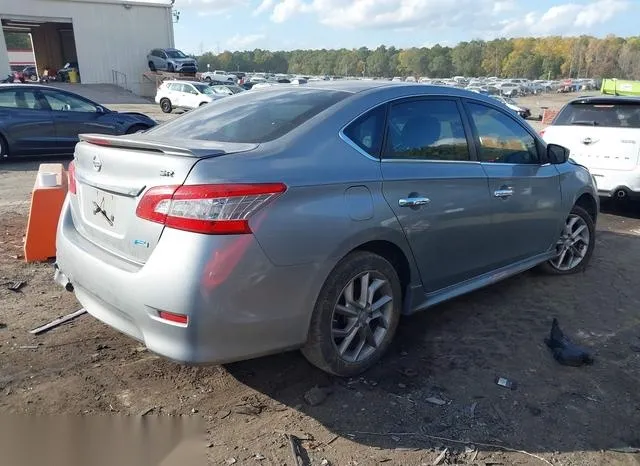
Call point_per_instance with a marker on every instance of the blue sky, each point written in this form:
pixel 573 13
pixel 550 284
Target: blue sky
pixel 218 25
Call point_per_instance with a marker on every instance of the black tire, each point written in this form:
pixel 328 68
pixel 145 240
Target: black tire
pixel 549 268
pixel 135 128
pixel 152 67
pixel 203 103
pixel 320 348
pixel 208 79
pixel 4 149
pixel 165 105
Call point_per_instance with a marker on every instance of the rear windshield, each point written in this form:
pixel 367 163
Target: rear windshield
pixel 622 115
pixel 251 117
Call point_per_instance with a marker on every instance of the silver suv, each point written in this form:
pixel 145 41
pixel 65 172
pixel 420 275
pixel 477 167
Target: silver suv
pixel 313 217
pixel 172 60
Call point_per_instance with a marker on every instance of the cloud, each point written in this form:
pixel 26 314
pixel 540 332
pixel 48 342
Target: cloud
pixel 566 19
pixel 481 17
pixel 209 7
pixel 244 42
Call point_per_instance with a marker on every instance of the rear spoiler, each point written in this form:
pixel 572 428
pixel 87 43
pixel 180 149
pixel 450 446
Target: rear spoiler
pixel 120 142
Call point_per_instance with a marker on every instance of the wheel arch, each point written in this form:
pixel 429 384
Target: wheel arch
pixel 589 203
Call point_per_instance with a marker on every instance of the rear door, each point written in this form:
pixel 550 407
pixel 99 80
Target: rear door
pixel 600 136
pixel 438 193
pixel 525 190
pixel 73 115
pixel 191 97
pixel 27 122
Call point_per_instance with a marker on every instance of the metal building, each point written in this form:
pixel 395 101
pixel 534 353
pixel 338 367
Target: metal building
pixel 108 39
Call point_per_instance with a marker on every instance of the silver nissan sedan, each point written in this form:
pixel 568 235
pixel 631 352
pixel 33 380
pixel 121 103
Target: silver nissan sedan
pixel 313 217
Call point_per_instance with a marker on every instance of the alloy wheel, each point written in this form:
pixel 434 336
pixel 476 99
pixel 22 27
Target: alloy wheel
pixel 572 245
pixel 361 316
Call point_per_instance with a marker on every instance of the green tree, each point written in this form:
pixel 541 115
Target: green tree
pixel 466 58
pixel 18 40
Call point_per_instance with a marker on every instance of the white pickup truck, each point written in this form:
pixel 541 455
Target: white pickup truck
pixel 219 75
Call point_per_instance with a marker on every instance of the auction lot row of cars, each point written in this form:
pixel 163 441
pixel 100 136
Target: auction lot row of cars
pixel 310 216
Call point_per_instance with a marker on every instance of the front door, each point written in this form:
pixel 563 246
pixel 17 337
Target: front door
pixel 27 122
pixel 438 193
pixel 73 115
pixel 525 190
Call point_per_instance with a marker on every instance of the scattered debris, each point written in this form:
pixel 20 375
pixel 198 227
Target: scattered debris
pixel 147 411
pixel 16 286
pixel 209 445
pixel 332 439
pixel 316 395
pixel 3 325
pixel 474 456
pixel 395 438
pixel 194 410
pixel 247 409
pixel 325 462
pixel 506 383
pixel 28 347
pixel 259 457
pixel 102 347
pixel 408 372
pixel 300 457
pixel 472 409
pixel 56 322
pixel 501 415
pixel 630 450
pixel 469 449
pixel 224 414
pixel 441 457
pixel 564 351
pixel 401 385
pixel 434 400
pixel 231 461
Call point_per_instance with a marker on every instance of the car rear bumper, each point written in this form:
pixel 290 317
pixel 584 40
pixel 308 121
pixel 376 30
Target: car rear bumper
pixel 617 183
pixel 239 304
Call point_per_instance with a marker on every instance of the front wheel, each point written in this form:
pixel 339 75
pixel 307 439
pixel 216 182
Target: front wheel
pixel 165 105
pixel 355 316
pixel 575 246
pixel 4 149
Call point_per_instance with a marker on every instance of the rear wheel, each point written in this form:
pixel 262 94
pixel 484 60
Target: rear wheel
pixel 165 105
pixel 208 79
pixel 355 316
pixel 4 149
pixel 575 246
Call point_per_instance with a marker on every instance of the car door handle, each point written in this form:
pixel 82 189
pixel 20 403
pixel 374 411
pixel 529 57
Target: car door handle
pixel 503 192
pixel 414 201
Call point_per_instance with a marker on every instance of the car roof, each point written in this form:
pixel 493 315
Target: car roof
pixel 182 81
pixel 605 100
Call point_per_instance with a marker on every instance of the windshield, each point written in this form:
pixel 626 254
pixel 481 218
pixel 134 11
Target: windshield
pixel 615 115
pixel 204 89
pixel 176 54
pixel 251 117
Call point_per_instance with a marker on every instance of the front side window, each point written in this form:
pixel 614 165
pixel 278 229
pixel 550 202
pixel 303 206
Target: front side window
pixel 426 130
pixel 367 131
pixel 500 138
pixel 59 101
pixel 176 54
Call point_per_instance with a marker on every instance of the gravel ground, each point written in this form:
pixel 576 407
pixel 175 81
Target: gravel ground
pixel 435 389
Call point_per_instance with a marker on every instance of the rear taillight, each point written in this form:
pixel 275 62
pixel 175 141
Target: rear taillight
pixel 71 174
pixel 223 209
pixel 173 317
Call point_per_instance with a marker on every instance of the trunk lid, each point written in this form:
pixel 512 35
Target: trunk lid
pixel 112 174
pixel 598 148
pixel 601 133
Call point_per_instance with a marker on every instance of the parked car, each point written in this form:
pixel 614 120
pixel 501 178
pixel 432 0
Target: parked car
pixel 524 112
pixel 603 134
pixel 171 60
pixel 508 89
pixel 218 75
pixel 30 73
pixel 262 223
pixel 184 94
pixel 42 120
pixel 227 89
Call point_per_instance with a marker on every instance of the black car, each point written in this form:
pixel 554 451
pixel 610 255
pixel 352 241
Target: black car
pixel 43 120
pixel 30 73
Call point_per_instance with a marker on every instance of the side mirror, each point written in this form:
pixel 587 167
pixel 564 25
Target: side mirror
pixel 100 109
pixel 557 154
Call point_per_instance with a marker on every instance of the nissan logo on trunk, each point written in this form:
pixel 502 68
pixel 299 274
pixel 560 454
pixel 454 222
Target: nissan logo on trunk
pixel 97 163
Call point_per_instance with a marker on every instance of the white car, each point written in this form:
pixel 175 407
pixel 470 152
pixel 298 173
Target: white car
pixel 184 94
pixel 218 75
pixel 603 135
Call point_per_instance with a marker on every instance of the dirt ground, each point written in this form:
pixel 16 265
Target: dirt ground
pixel 454 352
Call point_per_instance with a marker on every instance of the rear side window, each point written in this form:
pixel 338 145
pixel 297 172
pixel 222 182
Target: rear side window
pixel 251 117
pixel 366 131
pixel 622 115
pixel 426 130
